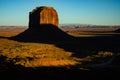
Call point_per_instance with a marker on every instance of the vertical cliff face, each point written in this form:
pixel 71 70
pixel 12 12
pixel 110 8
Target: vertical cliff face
pixel 42 16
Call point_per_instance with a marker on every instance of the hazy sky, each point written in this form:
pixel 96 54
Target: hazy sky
pixel 96 12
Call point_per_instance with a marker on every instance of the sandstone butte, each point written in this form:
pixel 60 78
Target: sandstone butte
pixel 43 27
pixel 43 15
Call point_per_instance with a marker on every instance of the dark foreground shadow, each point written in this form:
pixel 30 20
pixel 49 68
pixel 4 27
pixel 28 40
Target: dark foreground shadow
pixel 80 46
pixel 18 72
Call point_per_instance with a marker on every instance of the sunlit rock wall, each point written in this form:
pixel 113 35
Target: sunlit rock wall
pixel 43 15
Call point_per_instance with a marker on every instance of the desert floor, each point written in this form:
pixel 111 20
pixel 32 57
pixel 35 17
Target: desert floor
pixel 91 56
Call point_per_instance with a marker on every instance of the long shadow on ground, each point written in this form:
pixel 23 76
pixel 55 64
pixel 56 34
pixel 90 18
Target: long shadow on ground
pixel 80 46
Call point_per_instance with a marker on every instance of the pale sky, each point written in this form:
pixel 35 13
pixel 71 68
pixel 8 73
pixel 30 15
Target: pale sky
pixel 96 12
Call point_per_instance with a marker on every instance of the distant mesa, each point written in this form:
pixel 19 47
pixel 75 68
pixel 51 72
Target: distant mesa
pixel 43 26
pixel 43 15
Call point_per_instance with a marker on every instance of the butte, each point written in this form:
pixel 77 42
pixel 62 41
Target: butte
pixel 43 27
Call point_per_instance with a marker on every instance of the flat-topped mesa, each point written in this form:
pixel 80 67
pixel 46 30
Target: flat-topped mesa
pixel 43 15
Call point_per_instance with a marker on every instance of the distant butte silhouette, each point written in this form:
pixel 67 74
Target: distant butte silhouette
pixel 43 27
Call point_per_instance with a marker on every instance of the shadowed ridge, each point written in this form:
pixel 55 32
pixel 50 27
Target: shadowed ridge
pixel 44 33
pixel 118 30
pixel 4 37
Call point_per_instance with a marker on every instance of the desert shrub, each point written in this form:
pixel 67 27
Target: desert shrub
pixel 105 53
pixel 35 54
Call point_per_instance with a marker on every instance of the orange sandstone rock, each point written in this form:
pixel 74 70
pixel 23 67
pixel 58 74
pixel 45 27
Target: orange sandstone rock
pixel 42 16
